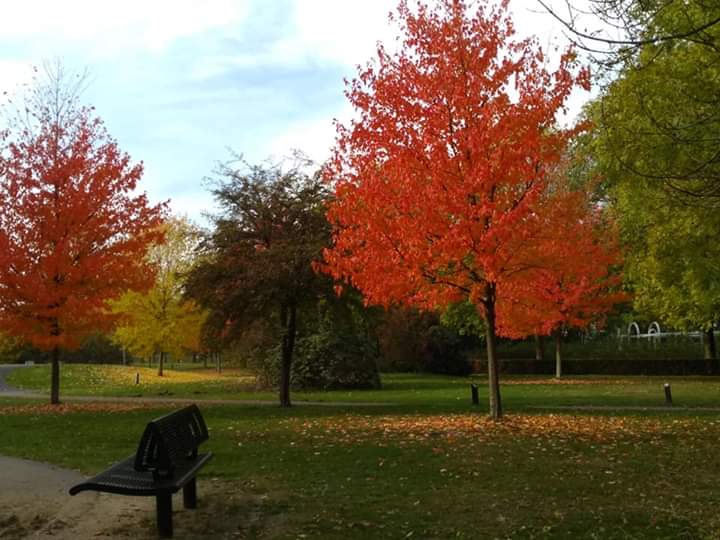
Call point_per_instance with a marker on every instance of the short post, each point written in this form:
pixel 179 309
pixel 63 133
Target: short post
pixel 474 394
pixel 668 395
pixel 137 377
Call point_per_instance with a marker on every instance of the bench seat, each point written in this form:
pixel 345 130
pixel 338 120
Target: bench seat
pixel 122 478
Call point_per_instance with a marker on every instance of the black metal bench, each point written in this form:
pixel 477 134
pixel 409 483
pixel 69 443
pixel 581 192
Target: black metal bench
pixel 166 460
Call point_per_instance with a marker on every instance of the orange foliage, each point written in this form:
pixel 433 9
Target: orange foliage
pixel 439 181
pixel 573 280
pixel 72 231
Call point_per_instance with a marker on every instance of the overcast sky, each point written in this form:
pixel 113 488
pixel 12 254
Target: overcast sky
pixel 178 82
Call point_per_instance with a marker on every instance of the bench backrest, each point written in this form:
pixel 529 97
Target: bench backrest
pixel 171 439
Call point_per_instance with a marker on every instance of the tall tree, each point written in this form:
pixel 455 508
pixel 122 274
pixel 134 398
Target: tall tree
pixel 257 263
pixel 439 180
pixel 162 321
pixel 658 123
pixel 73 230
pixel 672 264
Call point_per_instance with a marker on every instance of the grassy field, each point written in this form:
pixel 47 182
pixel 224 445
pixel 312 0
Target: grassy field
pixel 446 393
pixel 430 466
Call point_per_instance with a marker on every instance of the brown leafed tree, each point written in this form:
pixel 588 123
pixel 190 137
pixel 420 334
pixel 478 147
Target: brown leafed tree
pixel 257 263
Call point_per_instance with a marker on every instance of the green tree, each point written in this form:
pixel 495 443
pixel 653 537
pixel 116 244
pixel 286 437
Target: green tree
pixel 660 121
pixel 257 262
pixel 162 321
pixel 655 142
pixel 672 266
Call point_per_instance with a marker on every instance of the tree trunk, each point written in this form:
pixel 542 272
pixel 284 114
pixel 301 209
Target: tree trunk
pixel 710 351
pixel 161 363
pixel 55 377
pixel 205 357
pixel 492 361
pixel 539 347
pixel 289 316
pixel 218 362
pixel 558 354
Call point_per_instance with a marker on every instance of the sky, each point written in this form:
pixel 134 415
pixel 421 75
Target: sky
pixel 182 84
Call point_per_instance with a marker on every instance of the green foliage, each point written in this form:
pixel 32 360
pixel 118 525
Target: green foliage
pixel 328 361
pixel 445 352
pixel 258 258
pixel 672 264
pixel 464 318
pixel 655 144
pixel 9 349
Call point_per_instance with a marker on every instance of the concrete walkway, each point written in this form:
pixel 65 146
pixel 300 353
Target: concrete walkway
pixel 8 391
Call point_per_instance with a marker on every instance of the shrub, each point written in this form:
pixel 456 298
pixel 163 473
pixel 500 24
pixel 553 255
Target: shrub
pixel 325 361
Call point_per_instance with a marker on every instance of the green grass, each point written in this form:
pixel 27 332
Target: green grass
pixel 360 473
pixel 421 391
pixel 430 466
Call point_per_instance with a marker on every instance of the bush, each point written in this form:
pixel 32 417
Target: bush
pixel 329 362
pixel 325 362
pixel 445 352
pixel 416 341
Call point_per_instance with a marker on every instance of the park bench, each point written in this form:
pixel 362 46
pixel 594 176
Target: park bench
pixel 166 460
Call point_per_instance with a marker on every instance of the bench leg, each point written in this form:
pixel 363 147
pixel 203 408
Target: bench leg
pixel 190 494
pixel 163 508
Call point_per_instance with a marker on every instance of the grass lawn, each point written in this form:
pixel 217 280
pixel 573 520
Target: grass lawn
pixel 431 466
pixel 446 393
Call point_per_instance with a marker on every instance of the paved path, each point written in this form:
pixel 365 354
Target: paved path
pixel 8 391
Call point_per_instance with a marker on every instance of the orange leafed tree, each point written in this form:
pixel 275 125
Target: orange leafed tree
pixel 73 232
pixel 439 180
pixel 575 280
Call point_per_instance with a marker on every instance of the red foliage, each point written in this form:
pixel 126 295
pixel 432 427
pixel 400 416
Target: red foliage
pixel 72 231
pixel 442 182
pixel 439 180
pixel 575 280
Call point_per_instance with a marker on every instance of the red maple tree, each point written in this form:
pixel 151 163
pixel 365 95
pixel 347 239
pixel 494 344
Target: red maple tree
pixel 575 281
pixel 73 232
pixel 440 179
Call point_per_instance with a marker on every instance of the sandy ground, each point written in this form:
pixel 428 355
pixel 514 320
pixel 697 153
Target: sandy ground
pixel 34 503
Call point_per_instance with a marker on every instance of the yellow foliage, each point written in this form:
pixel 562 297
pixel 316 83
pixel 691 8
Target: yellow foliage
pixel 161 320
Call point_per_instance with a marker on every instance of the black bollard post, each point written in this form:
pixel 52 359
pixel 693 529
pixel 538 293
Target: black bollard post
pixel 668 395
pixel 474 394
pixel 137 378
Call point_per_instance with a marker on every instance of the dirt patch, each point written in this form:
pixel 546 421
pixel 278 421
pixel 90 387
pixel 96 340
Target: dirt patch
pixel 224 512
pixel 34 503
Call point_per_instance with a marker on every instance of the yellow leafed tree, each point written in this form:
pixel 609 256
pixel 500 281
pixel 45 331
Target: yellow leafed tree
pixel 161 321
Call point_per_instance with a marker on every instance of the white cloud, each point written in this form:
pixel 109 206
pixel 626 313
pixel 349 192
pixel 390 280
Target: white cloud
pixel 313 137
pixel 116 27
pixel 13 73
pixel 344 32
